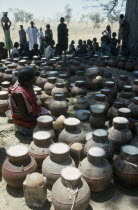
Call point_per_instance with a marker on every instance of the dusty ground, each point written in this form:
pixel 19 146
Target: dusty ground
pixel 114 198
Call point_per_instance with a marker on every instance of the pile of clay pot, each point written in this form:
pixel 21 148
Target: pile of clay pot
pixel 72 163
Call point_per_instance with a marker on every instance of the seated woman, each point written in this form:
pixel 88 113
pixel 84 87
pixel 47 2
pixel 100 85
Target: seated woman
pixel 72 47
pixel 3 51
pixel 35 51
pixel 15 50
pixel 23 102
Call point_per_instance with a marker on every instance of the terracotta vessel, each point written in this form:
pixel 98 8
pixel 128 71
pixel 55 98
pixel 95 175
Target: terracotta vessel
pixel 100 138
pixel 122 63
pixel 17 165
pixel 2 71
pixel 106 77
pixel 58 105
pixel 92 83
pixel 126 95
pixel 135 87
pixel 81 102
pixel 39 148
pixel 79 89
pixel 134 141
pixel 80 75
pixel 70 191
pixel 59 88
pixel 112 61
pixel 50 84
pixel 5 85
pixel 119 134
pixel 71 132
pixel 4 103
pixel 15 77
pixel 112 87
pixel 125 166
pixel 96 170
pixel 129 65
pixel 5 19
pixel 77 152
pixel 8 75
pixel 45 123
pixel 108 96
pixel 97 117
pixel 121 82
pixel 58 159
pixel 134 108
pixel 41 81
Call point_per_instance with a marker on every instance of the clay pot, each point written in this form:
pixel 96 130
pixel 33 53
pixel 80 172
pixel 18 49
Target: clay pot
pixel 134 108
pixel 120 134
pixel 81 102
pixel 58 106
pixel 121 82
pixel 5 19
pixel 8 75
pixel 112 62
pixel 134 141
pixel 111 86
pixel 108 96
pixel 96 170
pixel 129 65
pixel 122 63
pixel 80 76
pixel 79 89
pixel 83 114
pixel 41 81
pixel 2 71
pixel 107 77
pixel 35 180
pixel 100 138
pixel 135 87
pixel 58 159
pixel 97 117
pixel 39 148
pixel 4 103
pixel 66 188
pixel 59 123
pixel 15 77
pixel 100 99
pixel 17 165
pixel 72 133
pixel 50 84
pixel 45 123
pixel 92 83
pixel 5 86
pixel 59 88
pixel 126 95
pixel 77 152
pixel 125 166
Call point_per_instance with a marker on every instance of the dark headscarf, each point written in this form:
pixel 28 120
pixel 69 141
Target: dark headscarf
pixel 25 75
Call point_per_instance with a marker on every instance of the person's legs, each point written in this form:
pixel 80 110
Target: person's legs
pixel 25 131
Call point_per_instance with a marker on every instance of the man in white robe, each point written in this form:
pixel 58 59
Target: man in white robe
pixel 32 35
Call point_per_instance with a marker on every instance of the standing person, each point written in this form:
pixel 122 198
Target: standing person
pixel 113 44
pixel 123 29
pixel 32 35
pixel 95 45
pixel 22 36
pixel 107 32
pixel 40 35
pixel 48 34
pixel 3 51
pixel 62 36
pixel 8 41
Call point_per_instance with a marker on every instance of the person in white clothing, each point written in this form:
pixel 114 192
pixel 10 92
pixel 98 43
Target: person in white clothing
pixel 40 35
pixel 32 35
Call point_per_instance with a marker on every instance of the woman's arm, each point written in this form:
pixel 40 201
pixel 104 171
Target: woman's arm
pixel 104 32
pixel 22 108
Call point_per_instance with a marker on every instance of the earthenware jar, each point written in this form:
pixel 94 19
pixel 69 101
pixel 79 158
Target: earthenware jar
pixel 100 138
pixel 92 83
pixel 72 132
pixel 39 148
pixel 112 61
pixel 58 105
pixel 58 159
pixel 97 117
pixel 77 152
pixel 50 84
pixel 129 65
pixel 107 77
pixel 135 87
pixel 125 166
pixel 17 165
pixel 41 81
pixel 96 170
pixel 2 71
pixel 134 108
pixel 4 103
pixel 112 87
pixel 108 96
pixel 81 102
pixel 15 77
pixel 122 63
pixel 79 89
pixel 8 75
pixel 121 82
pixel 5 19
pixel 80 75
pixel 134 141
pixel 59 88
pixel 126 95
pixel 119 134
pixel 45 123
pixel 5 85
pixel 70 191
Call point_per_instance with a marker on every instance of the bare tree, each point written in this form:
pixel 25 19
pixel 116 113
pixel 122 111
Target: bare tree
pixel 95 18
pixel 21 15
pixel 68 13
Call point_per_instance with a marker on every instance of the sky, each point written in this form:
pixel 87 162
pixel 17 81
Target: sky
pixel 48 8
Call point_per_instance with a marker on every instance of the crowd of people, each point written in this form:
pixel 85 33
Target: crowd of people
pixel 110 45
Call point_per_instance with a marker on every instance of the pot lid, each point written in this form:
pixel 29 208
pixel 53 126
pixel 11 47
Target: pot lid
pixel 72 121
pixel 59 148
pixel 17 151
pixel 70 174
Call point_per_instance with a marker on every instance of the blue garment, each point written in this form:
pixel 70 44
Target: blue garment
pixel 27 131
pixel 105 49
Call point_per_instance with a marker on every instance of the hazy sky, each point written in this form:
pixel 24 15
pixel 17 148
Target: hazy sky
pixel 46 8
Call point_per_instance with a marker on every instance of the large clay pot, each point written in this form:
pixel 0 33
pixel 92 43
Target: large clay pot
pixel 58 159
pixel 79 89
pixel 108 96
pixel 97 117
pixel 92 83
pixel 39 148
pixel 59 88
pixel 122 63
pixel 81 102
pixel 41 81
pixel 45 123
pixel 4 103
pixel 100 138
pixel 107 77
pixel 2 71
pixel 121 82
pixel 17 165
pixel 129 65
pixel 50 84
pixel 80 75
pixel 8 75
pixel 5 85
pixel 125 166
pixel 120 134
pixel 134 108
pixel 112 62
pixel 72 133
pixel 112 87
pixel 68 188
pixel 96 170
pixel 5 19
pixel 59 105
pixel 135 87
pixel 126 95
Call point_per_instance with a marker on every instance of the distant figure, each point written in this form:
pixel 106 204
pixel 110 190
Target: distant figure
pixel 32 35
pixel 89 48
pixel 24 51
pixel 95 46
pixel 22 36
pixel 15 50
pixel 123 29
pixel 50 50
pixel 113 44
pixel 62 36
pixel 72 47
pixel 107 32
pixel 40 35
pixel 8 41
pixel 35 51
pixel 80 49
pixel 3 51
pixel 105 46
pixel 48 34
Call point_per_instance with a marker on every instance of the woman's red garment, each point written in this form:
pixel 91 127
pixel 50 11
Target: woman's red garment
pixel 31 105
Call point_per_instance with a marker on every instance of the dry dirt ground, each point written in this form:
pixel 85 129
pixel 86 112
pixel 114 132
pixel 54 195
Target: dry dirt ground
pixel 114 198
